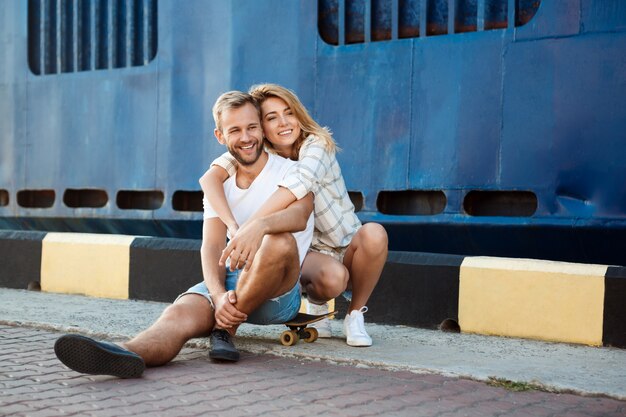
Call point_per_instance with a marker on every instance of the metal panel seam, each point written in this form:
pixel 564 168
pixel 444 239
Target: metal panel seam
pixel 505 49
pixel 408 170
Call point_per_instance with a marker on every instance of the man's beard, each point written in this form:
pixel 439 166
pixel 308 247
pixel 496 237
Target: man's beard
pixel 250 160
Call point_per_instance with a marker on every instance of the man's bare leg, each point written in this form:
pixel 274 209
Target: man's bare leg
pixel 274 272
pixel 190 316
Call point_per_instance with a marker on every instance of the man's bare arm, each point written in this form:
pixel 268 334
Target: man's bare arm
pixel 213 242
pixel 243 247
pixel 212 183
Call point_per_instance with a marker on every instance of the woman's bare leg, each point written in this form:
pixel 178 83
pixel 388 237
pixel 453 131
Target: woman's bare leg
pixel 365 258
pixel 323 277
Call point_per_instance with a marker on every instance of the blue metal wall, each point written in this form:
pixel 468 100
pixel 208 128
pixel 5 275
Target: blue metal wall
pixel 538 106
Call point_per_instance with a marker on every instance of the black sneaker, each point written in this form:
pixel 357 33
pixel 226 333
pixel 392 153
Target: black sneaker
pixel 222 347
pixel 89 356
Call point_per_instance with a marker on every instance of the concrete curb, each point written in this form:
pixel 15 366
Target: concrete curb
pixel 545 300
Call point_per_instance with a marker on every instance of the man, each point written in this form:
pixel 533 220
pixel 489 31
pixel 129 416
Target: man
pixel 266 292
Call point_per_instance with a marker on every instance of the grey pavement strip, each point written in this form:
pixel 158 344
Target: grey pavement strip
pixel 554 366
pixel 34 383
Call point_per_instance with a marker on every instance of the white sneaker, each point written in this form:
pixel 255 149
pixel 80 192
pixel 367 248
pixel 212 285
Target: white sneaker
pixel 354 328
pixel 322 326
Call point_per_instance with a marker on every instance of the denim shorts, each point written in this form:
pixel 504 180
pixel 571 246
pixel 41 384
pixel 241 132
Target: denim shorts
pixel 274 311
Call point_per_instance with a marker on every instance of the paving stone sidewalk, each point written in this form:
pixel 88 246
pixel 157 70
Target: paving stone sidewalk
pixel 34 383
pixel 554 366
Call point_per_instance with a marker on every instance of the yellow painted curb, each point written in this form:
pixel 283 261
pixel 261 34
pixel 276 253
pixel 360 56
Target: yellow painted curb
pixel 88 264
pixel 533 299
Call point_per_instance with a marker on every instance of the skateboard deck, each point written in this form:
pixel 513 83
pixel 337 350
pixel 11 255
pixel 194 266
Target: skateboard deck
pixel 298 328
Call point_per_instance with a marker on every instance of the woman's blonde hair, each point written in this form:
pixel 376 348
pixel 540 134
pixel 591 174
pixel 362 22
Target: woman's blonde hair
pixel 308 126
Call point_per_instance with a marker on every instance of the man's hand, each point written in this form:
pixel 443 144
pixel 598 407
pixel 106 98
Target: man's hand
pixel 226 314
pixel 243 247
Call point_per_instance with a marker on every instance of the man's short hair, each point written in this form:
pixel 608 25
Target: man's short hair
pixel 232 100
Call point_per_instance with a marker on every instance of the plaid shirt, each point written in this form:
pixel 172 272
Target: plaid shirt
pixel 318 172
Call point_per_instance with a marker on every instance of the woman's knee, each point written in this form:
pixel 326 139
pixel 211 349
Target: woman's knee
pixel 373 238
pixel 332 279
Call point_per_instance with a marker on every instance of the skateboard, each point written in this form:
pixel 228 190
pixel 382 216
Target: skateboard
pixel 298 328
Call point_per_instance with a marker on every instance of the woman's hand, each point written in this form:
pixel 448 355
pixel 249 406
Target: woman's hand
pixel 232 228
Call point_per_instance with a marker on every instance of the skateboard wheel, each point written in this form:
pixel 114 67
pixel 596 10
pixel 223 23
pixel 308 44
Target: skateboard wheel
pixel 289 338
pixel 310 334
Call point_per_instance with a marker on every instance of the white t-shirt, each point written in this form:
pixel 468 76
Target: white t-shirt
pixel 245 202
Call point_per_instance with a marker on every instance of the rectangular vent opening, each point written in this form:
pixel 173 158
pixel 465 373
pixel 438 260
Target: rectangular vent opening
pixel 411 202
pixel 77 198
pixel 500 203
pixel 357 200
pixel 344 22
pixel 436 17
pixel 355 21
pixel 79 35
pixel 381 20
pixel 139 200
pixel 466 17
pixel 4 198
pixel 496 15
pixel 36 198
pixel 409 19
pixel 187 201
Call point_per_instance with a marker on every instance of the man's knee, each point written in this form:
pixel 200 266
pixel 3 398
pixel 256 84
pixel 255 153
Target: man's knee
pixel 279 246
pixel 176 313
pixel 190 311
